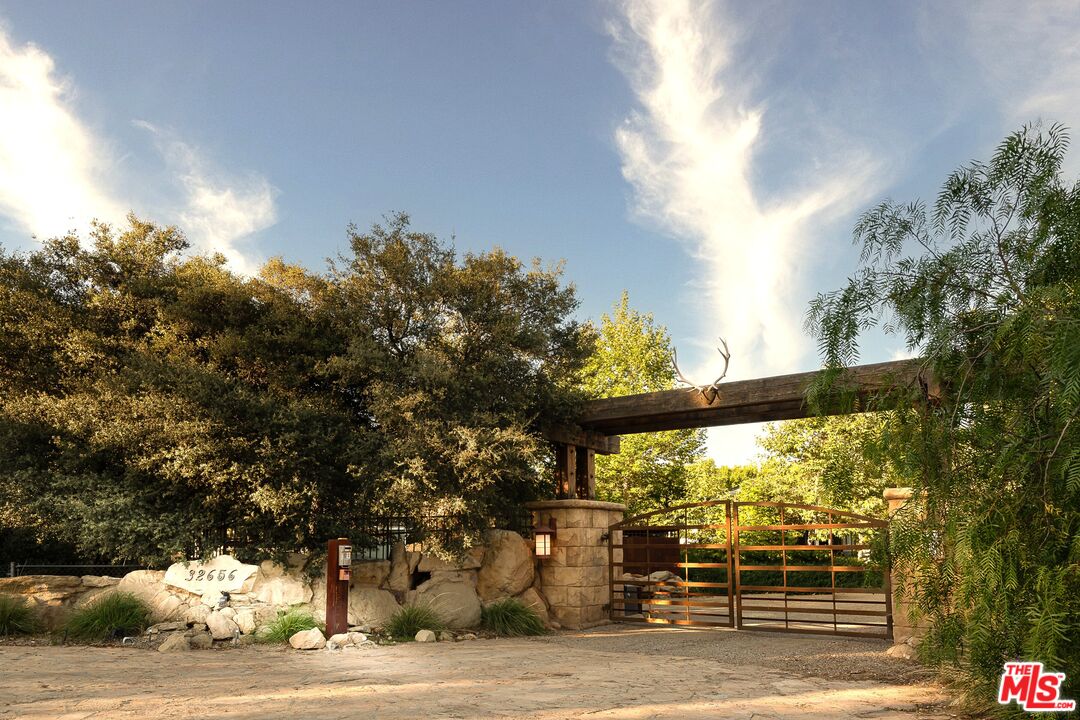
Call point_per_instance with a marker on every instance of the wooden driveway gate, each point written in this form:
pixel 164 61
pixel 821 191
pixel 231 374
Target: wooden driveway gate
pixel 767 566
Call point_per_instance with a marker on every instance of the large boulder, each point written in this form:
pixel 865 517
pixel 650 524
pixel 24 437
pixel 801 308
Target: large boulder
pixel 283 589
pixel 471 560
pixel 371 606
pixel 508 567
pixel 370 572
pixel 533 600
pixel 402 565
pixel 453 596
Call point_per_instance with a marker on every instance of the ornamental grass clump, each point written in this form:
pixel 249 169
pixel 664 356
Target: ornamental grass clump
pixel 286 624
pixel 511 618
pixel 111 616
pixel 16 617
pixel 411 619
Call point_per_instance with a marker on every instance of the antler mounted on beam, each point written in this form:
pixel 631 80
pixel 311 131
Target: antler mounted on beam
pixel 709 391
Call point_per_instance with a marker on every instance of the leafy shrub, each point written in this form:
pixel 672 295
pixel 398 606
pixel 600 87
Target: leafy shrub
pixel 410 619
pixel 16 616
pixel 512 618
pixel 286 624
pixel 110 616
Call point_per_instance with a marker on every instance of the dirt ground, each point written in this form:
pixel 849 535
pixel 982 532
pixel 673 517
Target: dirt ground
pixel 610 672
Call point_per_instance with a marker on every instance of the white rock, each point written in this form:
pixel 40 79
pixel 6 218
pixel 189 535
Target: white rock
pixel 196 613
pixel 337 641
pixel 99 581
pixel 176 642
pixel 356 638
pixel 221 627
pixel 312 639
pixel 245 620
pixel 445 636
pixel 209 578
pixel 425 636
pixel 508 567
pixel 228 612
pixel 371 606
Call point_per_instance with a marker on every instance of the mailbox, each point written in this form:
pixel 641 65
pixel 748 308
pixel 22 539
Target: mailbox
pixel 344 561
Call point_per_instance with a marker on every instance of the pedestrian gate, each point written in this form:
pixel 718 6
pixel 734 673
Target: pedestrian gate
pixel 764 566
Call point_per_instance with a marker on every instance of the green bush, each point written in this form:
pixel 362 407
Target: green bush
pixel 286 624
pixel 512 618
pixel 410 619
pixel 16 616
pixel 110 616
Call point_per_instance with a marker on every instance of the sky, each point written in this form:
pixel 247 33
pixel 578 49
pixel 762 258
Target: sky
pixel 709 158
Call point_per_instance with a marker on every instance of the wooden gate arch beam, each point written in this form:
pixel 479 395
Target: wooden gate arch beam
pixel 781 397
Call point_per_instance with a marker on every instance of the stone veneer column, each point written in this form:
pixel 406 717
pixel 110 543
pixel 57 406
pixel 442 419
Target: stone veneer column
pixel 575 578
pixel 902 627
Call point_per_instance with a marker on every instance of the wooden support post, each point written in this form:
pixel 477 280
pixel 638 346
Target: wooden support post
pixel 338 576
pixel 566 470
pixel 586 473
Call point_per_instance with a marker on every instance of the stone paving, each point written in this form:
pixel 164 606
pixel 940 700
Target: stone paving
pixel 607 673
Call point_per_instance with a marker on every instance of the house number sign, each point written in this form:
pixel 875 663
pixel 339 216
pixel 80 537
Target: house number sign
pixel 210 578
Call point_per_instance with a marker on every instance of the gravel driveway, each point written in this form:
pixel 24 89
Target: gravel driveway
pixel 609 672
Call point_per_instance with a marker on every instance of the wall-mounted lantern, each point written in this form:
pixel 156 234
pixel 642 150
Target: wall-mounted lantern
pixel 544 538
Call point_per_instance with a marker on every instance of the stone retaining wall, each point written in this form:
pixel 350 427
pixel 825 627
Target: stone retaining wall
pixel 503 568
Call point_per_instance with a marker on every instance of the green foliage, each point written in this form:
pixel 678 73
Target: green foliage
pixel 511 618
pixel 833 462
pixel 16 616
pixel 411 619
pixel 113 615
pixel 986 287
pixel 285 625
pixel 632 355
pixel 149 398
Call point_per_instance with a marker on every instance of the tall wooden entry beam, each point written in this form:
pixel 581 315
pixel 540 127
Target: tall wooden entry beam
pixel 782 397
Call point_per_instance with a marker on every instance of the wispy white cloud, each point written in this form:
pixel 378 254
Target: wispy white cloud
pixel 217 211
pixel 688 151
pixel 52 169
pixel 57 174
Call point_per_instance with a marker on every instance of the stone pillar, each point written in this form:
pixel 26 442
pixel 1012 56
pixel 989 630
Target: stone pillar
pixel 575 579
pixel 903 630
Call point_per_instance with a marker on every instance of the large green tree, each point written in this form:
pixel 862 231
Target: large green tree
pixel 833 461
pixel 152 402
pixel 633 355
pixel 986 286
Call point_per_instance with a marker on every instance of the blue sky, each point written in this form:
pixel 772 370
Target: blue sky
pixel 710 158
